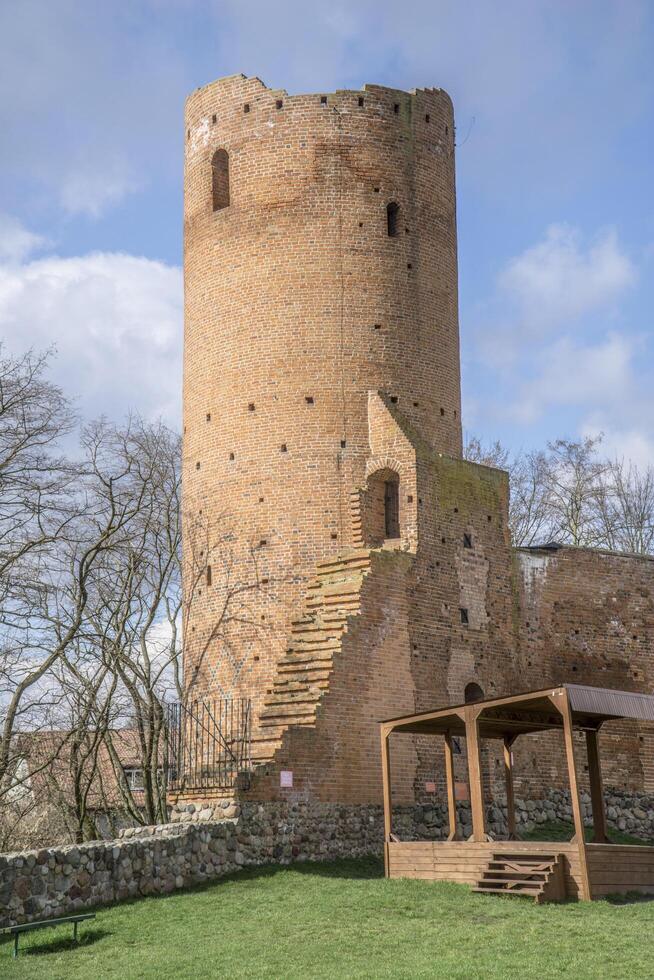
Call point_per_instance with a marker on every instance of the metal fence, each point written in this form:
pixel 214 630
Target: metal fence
pixel 208 743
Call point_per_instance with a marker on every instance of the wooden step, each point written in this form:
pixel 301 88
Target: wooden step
pixel 529 892
pixel 512 881
pixel 503 865
pixel 540 876
pixel 514 876
pixel 529 857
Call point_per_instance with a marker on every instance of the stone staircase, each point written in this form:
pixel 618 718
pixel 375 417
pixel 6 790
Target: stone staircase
pixel 302 674
pixel 538 875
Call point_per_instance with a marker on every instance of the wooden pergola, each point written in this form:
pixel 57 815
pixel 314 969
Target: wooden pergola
pixel 566 708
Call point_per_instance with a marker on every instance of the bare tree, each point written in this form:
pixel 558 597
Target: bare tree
pixel 61 528
pixel 36 514
pixel 136 621
pixel 575 477
pixel 626 508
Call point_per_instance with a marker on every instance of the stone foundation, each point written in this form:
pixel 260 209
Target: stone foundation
pixel 631 813
pixel 209 841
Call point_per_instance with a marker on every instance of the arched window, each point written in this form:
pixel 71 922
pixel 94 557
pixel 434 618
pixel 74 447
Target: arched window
pixel 472 693
pixel 392 218
pixel 220 180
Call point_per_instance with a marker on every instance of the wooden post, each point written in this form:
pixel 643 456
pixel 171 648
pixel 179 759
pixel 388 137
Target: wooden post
pixel 508 777
pixel 474 774
pixel 386 790
pixel 449 776
pixel 562 704
pixel 596 787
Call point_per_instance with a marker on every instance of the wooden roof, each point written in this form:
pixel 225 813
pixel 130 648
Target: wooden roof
pixel 531 711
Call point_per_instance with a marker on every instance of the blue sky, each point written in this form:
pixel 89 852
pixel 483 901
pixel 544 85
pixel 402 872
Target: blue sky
pixel 555 131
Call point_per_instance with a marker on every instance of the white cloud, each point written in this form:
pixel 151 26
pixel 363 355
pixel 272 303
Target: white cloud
pixel 92 192
pixel 631 444
pixel 556 348
pixel 569 373
pixel 90 101
pixel 558 280
pixel 16 241
pixel 116 322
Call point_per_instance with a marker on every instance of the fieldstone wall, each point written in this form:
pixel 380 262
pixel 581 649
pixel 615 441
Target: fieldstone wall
pixel 206 842
pixel 158 860
pixel 628 812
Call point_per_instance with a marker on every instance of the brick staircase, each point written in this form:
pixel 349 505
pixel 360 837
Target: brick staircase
pixel 302 674
pixel 537 875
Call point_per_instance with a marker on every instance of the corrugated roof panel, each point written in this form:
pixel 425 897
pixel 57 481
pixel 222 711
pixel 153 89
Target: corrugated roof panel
pixel 619 704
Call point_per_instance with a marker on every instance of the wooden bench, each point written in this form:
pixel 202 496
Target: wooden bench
pixel 15 931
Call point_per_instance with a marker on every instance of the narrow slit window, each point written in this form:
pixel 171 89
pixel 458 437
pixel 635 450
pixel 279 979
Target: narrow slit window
pixel 392 216
pixel 392 508
pixel 220 180
pixel 208 575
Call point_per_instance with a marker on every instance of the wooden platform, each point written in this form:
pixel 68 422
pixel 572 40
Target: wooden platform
pixel 611 868
pixel 545 870
pixel 620 868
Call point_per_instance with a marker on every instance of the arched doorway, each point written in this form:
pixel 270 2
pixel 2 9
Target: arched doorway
pixel 473 692
pixel 382 508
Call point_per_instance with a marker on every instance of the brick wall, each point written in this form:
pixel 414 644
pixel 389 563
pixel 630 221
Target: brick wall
pixel 321 362
pixel 298 303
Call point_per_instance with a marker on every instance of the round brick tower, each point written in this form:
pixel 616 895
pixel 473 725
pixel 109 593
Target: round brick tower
pixel 320 265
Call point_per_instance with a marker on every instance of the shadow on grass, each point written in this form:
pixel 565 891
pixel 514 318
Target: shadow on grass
pixel 348 868
pixel 561 831
pixel 630 898
pixel 60 943
pixel 364 868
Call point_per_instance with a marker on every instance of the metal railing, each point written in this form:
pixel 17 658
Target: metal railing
pixel 208 743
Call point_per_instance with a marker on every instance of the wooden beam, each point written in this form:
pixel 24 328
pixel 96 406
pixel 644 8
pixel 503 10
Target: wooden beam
pixel 474 773
pixel 561 701
pixel 508 778
pixel 386 792
pixel 449 776
pixel 459 710
pixel 596 787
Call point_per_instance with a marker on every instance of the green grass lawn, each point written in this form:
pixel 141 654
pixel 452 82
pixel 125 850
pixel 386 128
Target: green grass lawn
pixel 555 830
pixel 344 920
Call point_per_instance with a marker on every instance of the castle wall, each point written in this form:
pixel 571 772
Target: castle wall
pixel 587 617
pixel 321 368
